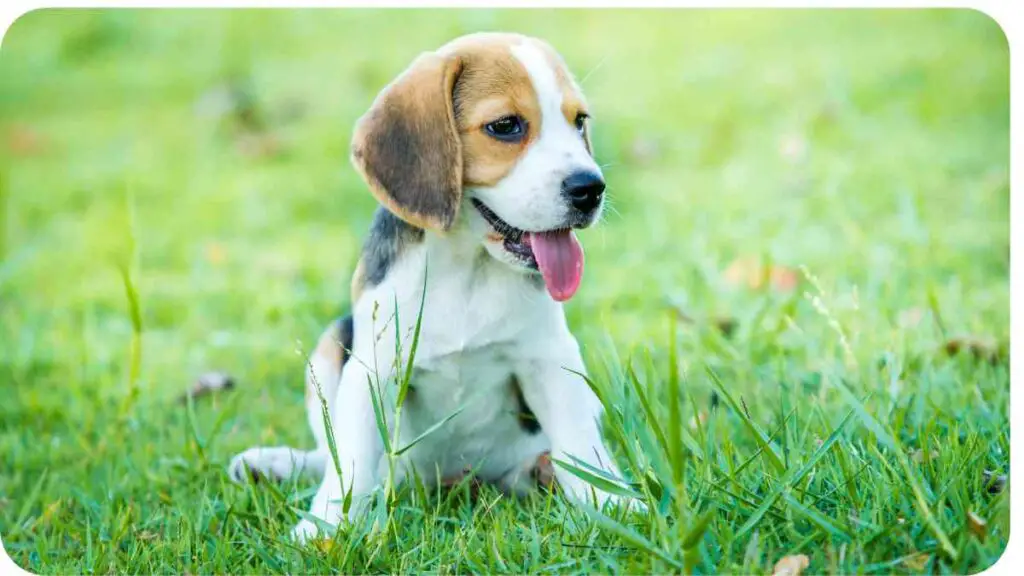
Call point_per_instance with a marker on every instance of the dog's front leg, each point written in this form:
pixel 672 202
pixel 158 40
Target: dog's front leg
pixel 359 448
pixel 569 413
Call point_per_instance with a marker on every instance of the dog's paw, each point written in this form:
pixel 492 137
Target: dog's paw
pixel 543 472
pixel 305 531
pixel 275 464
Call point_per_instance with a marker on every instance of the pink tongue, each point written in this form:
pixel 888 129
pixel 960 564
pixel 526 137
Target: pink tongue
pixel 560 259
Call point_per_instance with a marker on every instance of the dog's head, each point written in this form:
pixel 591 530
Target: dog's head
pixel 492 126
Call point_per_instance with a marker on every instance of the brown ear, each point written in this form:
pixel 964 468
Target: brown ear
pixel 407 146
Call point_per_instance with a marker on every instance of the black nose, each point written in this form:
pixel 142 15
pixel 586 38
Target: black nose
pixel 584 190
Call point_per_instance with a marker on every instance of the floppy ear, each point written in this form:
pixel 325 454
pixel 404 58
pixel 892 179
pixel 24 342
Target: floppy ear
pixel 407 146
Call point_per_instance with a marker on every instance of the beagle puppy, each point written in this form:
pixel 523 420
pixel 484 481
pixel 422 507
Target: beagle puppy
pixel 480 155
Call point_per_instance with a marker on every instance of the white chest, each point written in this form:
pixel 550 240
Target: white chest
pixel 483 325
pixel 472 303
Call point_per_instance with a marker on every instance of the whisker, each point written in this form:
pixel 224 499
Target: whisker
pixel 609 204
pixel 595 69
pixel 611 210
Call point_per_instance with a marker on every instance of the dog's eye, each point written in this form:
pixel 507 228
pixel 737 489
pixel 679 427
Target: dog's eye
pixel 509 128
pixel 581 122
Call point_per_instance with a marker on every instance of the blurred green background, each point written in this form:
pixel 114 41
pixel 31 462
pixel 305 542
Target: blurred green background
pixel 206 151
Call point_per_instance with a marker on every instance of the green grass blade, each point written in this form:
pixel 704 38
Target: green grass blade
pixel 325 527
pixel 759 436
pixel 433 428
pixel 652 420
pixel 817 518
pixel 696 531
pixel 889 441
pixel 403 389
pixel 675 418
pixel 601 482
pixel 631 536
pixel 378 415
pixel 790 478
pixel 325 416
pixel 26 508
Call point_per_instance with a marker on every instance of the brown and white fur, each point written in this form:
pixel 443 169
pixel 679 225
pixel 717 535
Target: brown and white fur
pixel 492 339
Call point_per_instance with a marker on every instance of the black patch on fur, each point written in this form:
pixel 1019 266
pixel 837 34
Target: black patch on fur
pixel 537 280
pixel 345 331
pixel 527 419
pixel 388 236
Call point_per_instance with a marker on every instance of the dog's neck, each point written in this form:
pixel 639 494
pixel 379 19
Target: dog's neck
pixel 461 251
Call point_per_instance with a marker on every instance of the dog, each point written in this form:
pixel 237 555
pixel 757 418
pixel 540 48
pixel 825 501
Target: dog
pixel 480 156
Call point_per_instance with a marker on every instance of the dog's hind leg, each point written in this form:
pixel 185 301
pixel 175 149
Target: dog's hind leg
pixel 275 463
pixel 323 373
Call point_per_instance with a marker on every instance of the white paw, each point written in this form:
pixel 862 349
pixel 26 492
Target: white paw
pixel 265 463
pixel 305 531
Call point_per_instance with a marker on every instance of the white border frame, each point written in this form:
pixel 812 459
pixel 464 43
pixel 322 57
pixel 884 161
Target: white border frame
pixel 1003 12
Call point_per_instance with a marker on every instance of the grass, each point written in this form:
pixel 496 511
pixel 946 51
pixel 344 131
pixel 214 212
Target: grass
pixel 176 197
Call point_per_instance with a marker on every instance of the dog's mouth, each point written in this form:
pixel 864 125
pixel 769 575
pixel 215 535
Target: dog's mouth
pixel 557 254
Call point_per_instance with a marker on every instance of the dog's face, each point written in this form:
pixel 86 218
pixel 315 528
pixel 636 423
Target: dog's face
pixel 494 125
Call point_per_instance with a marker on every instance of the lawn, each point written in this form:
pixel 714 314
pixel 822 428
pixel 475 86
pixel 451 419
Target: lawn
pixel 797 307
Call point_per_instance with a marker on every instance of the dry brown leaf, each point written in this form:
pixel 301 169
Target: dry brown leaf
pixel 726 325
pixel 981 347
pixel 977 525
pixel 784 279
pixel 750 272
pixel 791 565
pixel 208 383
pixel 917 562
pixel 23 140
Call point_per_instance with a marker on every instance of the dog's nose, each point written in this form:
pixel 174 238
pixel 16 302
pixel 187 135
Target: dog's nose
pixel 584 190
